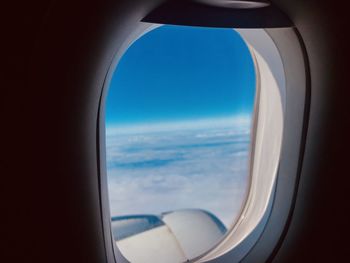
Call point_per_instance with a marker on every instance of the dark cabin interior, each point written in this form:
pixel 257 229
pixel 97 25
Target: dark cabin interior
pixel 55 55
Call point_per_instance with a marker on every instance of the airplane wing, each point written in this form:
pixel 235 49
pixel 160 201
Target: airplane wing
pixel 174 236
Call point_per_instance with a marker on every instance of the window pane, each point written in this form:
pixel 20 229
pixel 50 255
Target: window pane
pixel 178 127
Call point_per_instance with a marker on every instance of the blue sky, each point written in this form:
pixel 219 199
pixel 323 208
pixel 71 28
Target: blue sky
pixel 176 73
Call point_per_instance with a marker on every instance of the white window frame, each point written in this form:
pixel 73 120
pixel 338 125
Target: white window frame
pixel 277 132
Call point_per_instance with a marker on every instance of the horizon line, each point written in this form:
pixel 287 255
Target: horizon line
pixel 196 123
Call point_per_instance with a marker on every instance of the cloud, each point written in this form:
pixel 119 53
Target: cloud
pixel 154 171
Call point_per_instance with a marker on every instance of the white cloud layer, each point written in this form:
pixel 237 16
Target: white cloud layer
pixel 200 165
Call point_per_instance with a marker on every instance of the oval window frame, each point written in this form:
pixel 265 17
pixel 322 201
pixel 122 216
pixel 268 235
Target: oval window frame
pixel 242 249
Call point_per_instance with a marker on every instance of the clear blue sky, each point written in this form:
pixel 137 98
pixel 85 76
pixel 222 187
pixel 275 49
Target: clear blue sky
pixel 178 73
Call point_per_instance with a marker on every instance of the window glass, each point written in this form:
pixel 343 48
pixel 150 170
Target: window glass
pixel 178 132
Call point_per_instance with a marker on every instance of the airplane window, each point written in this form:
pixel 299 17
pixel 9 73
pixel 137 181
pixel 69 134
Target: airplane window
pixel 178 136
